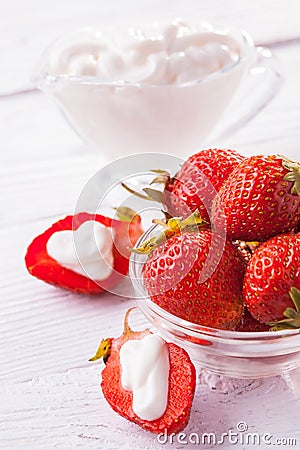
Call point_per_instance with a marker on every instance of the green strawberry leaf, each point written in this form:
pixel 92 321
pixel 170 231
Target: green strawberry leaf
pixel 125 214
pixel 147 247
pixel 173 226
pixel 295 296
pixel 154 195
pixel 162 177
pixel 103 350
pixel 292 315
pixel 150 194
pixel 293 174
pixel 137 194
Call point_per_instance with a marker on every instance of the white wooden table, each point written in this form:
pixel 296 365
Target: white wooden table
pixel 49 394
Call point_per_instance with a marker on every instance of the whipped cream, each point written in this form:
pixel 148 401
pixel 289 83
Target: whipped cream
pixel 86 251
pixel 172 54
pixel 145 371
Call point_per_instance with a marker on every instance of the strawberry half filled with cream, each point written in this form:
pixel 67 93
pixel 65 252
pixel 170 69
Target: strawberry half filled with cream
pixel 147 380
pixel 85 253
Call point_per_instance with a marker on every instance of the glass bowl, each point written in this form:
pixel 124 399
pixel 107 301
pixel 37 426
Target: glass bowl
pixel 230 353
pixel 120 117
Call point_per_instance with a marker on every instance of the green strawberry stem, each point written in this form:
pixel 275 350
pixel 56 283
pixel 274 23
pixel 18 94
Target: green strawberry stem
pixel 293 315
pixel 104 348
pixel 173 226
pixel 127 331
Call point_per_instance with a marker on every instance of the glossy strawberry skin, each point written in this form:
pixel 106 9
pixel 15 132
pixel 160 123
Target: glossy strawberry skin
pixel 273 269
pixel 42 266
pixel 182 382
pixel 171 275
pixel 256 202
pixel 199 178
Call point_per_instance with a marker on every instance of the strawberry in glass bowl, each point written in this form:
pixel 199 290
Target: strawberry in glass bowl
pixel 207 285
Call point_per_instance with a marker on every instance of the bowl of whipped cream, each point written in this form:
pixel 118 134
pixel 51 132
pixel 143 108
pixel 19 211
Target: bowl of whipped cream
pixel 162 87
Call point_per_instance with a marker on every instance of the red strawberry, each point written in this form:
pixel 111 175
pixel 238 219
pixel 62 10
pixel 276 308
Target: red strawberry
pixel 42 266
pixel 196 183
pixel 199 178
pixel 260 199
pixel 181 278
pixel 181 383
pixel 271 273
pixel 250 324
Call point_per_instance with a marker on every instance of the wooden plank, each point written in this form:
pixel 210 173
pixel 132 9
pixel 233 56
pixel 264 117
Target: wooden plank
pixel 67 410
pixel 50 396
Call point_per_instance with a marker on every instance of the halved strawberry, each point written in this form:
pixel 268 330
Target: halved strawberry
pixel 181 383
pixel 41 265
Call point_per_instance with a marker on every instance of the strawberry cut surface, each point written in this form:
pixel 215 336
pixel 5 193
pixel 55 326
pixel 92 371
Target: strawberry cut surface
pixel 42 266
pixel 181 391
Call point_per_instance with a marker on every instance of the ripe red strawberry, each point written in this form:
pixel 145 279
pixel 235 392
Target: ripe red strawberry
pixel 260 199
pixel 248 323
pixel 196 183
pixel 199 178
pixel 42 266
pixel 181 388
pixel 177 279
pixel 271 273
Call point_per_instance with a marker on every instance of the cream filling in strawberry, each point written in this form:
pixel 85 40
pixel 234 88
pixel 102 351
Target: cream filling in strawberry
pixel 145 371
pixel 87 251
